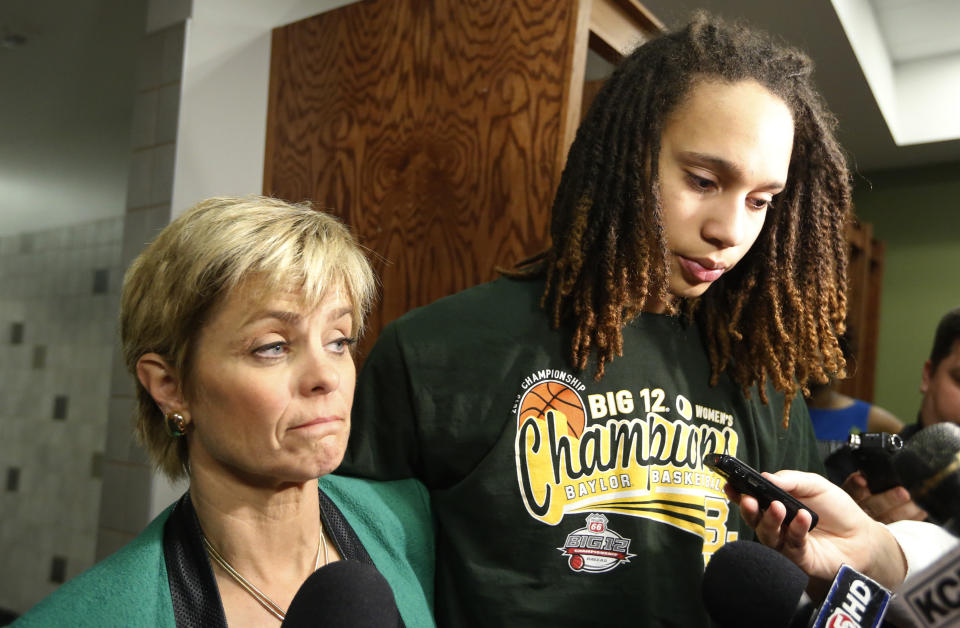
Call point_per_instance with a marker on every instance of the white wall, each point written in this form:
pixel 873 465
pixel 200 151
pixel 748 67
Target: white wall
pixel 221 131
pixel 223 108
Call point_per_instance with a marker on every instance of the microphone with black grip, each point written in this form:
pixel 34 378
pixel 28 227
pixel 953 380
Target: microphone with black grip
pixel 929 466
pixel 343 594
pixel 748 585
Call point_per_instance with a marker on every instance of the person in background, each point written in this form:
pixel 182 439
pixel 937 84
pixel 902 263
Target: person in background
pixel 695 283
pixel 940 387
pixel 238 323
pixel 835 415
pixel 940 377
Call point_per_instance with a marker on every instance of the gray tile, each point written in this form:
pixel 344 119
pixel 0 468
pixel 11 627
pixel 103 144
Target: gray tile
pixel 27 242
pixel 109 541
pixel 144 125
pixel 149 66
pixel 115 282
pixel 96 465
pixel 121 381
pixel 100 281
pixel 161 15
pixel 121 442
pixel 140 227
pixel 60 405
pixel 168 110
pixel 171 61
pixel 13 479
pixel 39 357
pixel 125 498
pixel 58 569
pixel 162 180
pixel 16 333
pixel 141 178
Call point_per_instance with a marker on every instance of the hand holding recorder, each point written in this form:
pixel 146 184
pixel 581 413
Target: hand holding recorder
pixel 745 479
pixel 845 534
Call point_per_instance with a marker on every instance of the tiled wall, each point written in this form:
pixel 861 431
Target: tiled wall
pixel 74 484
pixel 59 294
pixel 128 476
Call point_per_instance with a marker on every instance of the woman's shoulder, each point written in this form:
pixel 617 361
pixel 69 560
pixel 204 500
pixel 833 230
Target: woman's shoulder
pixel 392 520
pixel 406 502
pixel 128 588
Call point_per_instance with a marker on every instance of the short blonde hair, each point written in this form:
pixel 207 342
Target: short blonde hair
pixel 202 256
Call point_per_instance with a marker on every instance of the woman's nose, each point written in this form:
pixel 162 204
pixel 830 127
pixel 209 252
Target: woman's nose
pixel 320 374
pixel 725 225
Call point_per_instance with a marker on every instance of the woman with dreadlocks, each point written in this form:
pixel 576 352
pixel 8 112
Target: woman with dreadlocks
pixel 694 285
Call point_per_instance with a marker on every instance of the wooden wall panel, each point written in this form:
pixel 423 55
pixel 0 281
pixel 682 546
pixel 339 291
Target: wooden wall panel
pixel 864 282
pixel 432 127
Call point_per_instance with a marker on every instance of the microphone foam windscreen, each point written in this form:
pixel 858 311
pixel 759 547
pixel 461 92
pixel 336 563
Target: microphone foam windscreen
pixel 928 467
pixel 749 585
pixel 344 594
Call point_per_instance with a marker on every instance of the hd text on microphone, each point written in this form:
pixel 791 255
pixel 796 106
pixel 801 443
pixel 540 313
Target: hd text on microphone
pixel 915 560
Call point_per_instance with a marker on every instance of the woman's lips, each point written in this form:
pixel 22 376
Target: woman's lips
pixel 702 270
pixel 318 421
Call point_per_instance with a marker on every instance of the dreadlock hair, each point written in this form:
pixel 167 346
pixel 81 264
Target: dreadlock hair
pixel 608 257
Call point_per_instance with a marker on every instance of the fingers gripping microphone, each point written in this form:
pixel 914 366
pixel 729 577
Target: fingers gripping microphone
pixel 929 465
pixel 749 585
pixel 343 594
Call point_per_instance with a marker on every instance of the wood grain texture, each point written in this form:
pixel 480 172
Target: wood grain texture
pixel 864 283
pixel 431 127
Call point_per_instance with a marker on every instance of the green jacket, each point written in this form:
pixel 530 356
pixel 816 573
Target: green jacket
pixel 130 588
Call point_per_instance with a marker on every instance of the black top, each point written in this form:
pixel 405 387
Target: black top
pixel 193 588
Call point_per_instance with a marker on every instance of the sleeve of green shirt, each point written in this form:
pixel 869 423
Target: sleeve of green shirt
pixel 383 437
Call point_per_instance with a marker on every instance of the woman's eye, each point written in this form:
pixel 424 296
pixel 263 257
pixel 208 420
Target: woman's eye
pixel 700 184
pixel 272 350
pixel 342 345
pixel 759 203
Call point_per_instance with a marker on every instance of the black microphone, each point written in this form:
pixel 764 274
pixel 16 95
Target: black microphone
pixel 929 466
pixel 344 594
pixel 749 585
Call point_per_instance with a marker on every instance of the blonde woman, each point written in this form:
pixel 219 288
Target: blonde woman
pixel 238 324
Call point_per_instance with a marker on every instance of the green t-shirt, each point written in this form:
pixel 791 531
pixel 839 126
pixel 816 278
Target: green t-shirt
pixel 561 500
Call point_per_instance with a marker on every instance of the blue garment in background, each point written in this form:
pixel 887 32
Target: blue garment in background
pixel 836 425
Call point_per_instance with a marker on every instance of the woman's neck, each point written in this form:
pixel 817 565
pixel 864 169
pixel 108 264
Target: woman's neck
pixel 270 535
pixel 258 529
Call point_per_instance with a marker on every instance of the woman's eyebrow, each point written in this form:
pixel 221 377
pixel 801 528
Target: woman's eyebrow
pixel 284 316
pixel 727 168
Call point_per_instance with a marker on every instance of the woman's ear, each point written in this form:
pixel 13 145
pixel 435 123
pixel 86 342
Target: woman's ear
pixel 162 382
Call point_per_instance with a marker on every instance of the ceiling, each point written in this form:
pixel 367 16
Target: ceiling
pixel 69 75
pixel 917 29
pixel 814 25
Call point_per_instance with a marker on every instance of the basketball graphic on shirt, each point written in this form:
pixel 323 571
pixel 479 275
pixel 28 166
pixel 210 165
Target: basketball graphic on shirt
pixel 557 396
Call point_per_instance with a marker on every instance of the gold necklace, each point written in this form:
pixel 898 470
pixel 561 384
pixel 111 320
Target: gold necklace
pixel 271 607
